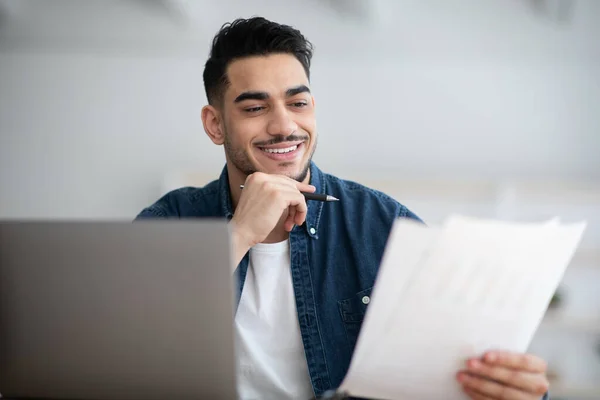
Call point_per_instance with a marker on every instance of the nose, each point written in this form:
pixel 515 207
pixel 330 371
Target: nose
pixel 281 122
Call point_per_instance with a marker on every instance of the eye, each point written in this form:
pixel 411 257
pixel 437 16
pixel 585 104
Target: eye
pixel 300 104
pixel 254 109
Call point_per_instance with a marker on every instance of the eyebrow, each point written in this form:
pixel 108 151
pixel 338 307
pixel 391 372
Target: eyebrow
pixel 297 90
pixel 264 95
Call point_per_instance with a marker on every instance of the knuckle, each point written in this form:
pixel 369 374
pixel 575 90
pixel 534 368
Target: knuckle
pixel 514 376
pixel 486 370
pixel 542 387
pixel 275 195
pixel 302 202
pixel 252 177
pixel 270 187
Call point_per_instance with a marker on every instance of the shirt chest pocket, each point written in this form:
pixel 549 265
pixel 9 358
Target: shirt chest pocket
pixel 353 312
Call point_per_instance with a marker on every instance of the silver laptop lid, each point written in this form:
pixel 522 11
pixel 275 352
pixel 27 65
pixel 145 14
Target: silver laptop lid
pixel 110 310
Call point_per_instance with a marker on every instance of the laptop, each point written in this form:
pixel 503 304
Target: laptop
pixel 116 310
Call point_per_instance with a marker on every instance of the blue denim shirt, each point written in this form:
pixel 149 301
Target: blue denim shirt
pixel 335 256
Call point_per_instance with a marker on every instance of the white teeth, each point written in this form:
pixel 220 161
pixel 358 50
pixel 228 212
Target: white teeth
pixel 281 151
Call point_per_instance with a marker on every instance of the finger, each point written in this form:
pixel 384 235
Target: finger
pixel 296 199
pixel 530 382
pixel 283 192
pixel 289 222
pixel 476 396
pixel 287 197
pixel 303 187
pixel 299 218
pixel 301 210
pixel 271 184
pixel 259 178
pixel 525 362
pixel 291 198
pixel 300 186
pixel 278 186
pixel 492 389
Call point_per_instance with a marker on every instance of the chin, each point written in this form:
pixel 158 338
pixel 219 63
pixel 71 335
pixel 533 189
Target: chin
pixel 298 174
pixel 293 172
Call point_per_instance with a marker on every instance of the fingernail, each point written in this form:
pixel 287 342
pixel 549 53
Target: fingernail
pixel 461 377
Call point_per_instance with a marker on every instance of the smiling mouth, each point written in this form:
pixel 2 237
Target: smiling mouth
pixel 282 150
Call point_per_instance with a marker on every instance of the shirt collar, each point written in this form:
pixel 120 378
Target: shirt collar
pixel 315 208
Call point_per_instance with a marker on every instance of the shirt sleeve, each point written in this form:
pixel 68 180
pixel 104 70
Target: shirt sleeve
pixel 165 207
pixel 153 212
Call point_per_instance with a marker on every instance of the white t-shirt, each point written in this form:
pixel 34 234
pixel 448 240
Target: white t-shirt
pixel 270 355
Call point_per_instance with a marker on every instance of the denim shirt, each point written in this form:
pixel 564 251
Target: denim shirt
pixel 335 256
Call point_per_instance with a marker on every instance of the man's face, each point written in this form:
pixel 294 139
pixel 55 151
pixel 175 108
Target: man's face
pixel 268 116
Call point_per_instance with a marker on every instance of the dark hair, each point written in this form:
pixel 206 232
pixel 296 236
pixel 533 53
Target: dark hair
pixel 250 37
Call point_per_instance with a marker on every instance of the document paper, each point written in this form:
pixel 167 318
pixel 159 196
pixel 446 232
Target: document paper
pixel 446 294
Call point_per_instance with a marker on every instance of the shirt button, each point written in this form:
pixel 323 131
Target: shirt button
pixel 312 231
pixel 366 300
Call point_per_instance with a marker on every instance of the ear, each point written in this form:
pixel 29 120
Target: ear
pixel 211 119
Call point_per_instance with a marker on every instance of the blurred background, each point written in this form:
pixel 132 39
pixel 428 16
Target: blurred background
pixel 483 107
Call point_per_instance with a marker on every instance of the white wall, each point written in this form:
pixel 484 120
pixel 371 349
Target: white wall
pixel 92 136
pixel 89 128
pixel 461 119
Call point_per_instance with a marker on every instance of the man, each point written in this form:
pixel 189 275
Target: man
pixel 305 268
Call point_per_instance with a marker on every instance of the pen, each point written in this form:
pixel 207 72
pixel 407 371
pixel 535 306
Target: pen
pixel 314 196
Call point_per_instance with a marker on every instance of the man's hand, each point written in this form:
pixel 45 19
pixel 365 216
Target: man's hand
pixel 502 375
pixel 264 200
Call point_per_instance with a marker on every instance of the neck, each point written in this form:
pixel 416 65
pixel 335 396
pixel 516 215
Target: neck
pixel 237 178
